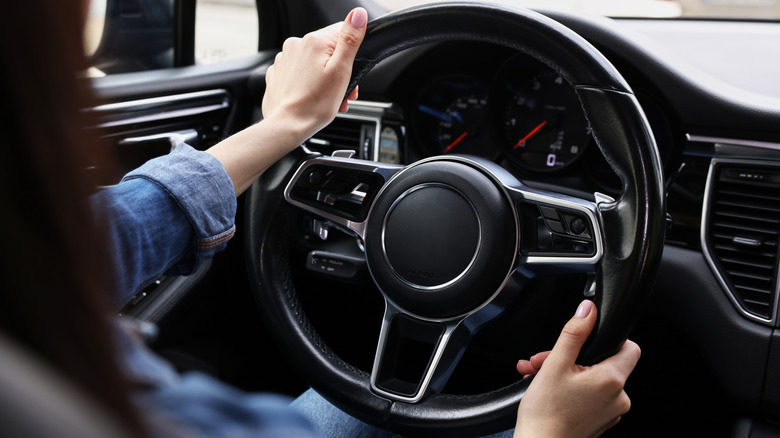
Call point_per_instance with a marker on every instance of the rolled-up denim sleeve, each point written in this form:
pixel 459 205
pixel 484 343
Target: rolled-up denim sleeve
pixel 167 217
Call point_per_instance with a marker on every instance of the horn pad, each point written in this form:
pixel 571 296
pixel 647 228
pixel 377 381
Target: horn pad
pixel 441 238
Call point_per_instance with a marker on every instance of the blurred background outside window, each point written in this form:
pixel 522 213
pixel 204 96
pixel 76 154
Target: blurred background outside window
pixel 228 29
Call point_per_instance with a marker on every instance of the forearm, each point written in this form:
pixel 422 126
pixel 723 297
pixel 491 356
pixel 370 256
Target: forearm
pixel 247 154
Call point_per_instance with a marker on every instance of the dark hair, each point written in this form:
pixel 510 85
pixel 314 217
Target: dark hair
pixel 54 267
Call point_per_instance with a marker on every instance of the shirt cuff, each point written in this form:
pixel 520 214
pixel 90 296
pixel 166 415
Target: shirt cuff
pixel 199 184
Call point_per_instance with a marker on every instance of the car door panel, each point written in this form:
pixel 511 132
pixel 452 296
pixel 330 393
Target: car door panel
pixel 144 115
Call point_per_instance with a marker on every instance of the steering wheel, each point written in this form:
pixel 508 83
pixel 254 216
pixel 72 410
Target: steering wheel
pixel 439 291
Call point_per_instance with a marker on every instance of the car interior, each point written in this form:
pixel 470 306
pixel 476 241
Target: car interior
pixel 634 161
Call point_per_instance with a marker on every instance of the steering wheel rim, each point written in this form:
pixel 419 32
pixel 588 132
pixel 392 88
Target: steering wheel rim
pixel 631 251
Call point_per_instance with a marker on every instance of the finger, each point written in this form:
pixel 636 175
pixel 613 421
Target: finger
pixel 328 31
pixel 525 368
pixel 625 360
pixel 538 359
pixel 532 365
pixel 287 46
pixel 345 103
pixel 350 36
pixel 353 95
pixel 574 335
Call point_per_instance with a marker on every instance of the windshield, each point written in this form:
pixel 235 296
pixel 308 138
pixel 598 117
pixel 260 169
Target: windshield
pixel 732 9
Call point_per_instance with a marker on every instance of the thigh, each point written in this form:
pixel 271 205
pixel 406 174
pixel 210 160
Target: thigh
pixel 332 422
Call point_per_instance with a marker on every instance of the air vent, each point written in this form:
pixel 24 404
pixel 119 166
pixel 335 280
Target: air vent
pixel 742 224
pixel 347 132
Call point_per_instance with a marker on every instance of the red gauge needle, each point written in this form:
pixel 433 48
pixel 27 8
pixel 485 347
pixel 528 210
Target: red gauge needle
pixel 457 140
pixel 530 134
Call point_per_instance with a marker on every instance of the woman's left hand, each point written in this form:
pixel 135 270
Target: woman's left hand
pixel 310 75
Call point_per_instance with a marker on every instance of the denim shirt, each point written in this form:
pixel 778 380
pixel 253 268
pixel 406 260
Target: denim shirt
pixel 167 217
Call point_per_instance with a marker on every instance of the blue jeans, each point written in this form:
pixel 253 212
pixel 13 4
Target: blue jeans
pixel 199 406
pixel 332 422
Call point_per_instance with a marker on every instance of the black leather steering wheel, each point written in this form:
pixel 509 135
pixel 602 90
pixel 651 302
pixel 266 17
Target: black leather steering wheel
pixel 439 291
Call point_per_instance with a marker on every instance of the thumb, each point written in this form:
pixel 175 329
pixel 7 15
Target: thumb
pixel 351 36
pixel 574 335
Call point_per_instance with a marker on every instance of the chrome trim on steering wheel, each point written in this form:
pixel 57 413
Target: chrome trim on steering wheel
pixel 357 227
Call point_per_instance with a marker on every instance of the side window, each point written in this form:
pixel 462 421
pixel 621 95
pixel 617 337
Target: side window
pixel 123 36
pixel 93 28
pixel 225 30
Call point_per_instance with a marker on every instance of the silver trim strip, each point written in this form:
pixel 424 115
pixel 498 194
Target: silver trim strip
pixel 706 249
pixel 732 142
pixel 160 103
pixel 189 136
pixel 157 101
pixel 369 105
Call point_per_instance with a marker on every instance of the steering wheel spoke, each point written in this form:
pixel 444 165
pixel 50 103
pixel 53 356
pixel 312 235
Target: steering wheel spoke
pixel 559 231
pixel 415 357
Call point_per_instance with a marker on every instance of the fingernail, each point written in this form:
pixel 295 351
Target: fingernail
pixel 358 18
pixel 584 309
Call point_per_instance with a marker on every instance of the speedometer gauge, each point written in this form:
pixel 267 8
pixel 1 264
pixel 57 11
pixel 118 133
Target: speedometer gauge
pixel 460 130
pixel 545 128
pixel 451 117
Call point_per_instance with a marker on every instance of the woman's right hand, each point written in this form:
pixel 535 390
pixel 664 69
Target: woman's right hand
pixel 570 400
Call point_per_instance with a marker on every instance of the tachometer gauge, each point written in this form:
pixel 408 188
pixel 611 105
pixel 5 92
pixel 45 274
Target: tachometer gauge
pixel 544 124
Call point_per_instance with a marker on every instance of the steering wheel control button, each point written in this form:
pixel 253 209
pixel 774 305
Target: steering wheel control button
pixel 334 265
pixel 565 222
pixel 316 178
pixel 577 225
pixel 558 231
pixel 556 226
pixel 431 236
pixel 549 212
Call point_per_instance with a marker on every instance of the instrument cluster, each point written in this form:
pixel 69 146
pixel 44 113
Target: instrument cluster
pixel 512 109
pixel 527 114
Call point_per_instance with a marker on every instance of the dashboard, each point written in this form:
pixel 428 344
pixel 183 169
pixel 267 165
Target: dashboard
pixel 483 100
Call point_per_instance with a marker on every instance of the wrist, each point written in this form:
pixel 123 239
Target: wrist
pixel 288 128
pixel 537 430
pixel 298 124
